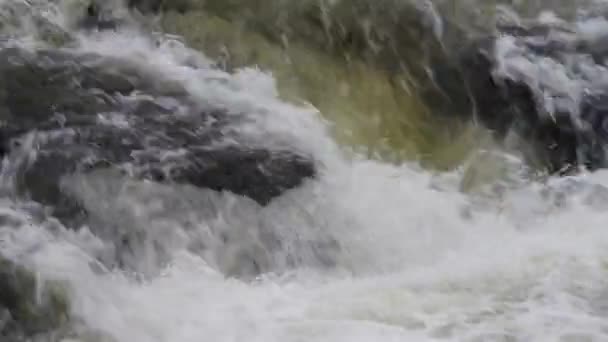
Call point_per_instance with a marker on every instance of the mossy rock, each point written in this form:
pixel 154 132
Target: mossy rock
pixel 29 307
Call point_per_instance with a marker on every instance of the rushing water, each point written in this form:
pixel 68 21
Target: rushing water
pixel 418 260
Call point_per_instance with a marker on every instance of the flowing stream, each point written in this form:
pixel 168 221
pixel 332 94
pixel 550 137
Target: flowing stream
pixel 379 251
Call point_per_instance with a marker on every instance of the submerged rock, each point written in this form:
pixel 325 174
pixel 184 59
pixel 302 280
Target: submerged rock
pixel 63 113
pixel 144 223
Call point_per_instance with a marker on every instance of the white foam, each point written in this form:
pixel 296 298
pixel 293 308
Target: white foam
pixel 412 265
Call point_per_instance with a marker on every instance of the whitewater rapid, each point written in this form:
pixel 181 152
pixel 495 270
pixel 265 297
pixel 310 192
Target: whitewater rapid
pixel 418 259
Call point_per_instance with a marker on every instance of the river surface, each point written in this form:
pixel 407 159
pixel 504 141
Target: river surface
pixel 418 259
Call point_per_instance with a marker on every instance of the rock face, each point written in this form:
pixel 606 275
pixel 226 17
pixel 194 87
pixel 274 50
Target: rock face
pixel 71 113
pixel 561 119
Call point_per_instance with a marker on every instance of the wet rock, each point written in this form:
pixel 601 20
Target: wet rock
pixel 243 171
pixel 27 307
pixel 63 113
pixel 559 121
pixel 506 106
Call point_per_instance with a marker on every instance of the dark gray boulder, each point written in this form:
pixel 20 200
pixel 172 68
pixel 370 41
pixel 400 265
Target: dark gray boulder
pixel 561 131
pixel 57 108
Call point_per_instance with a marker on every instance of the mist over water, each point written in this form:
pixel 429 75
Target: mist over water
pixel 369 250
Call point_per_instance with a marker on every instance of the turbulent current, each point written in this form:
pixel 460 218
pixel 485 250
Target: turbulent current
pixel 149 195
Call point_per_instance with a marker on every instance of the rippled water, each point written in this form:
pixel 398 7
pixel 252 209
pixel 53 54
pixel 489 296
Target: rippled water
pixel 418 259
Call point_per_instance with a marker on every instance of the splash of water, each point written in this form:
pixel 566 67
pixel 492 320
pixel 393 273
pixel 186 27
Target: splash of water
pixel 417 260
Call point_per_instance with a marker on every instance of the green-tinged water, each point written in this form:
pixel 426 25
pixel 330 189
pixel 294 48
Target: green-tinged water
pixel 30 306
pixel 374 105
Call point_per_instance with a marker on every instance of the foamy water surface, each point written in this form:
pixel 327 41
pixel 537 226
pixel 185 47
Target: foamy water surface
pixel 418 260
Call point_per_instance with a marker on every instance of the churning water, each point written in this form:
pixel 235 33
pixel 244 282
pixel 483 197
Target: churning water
pixel 415 259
